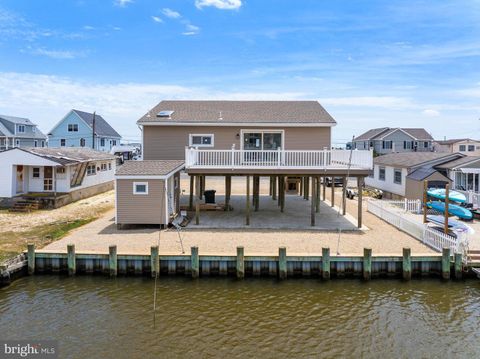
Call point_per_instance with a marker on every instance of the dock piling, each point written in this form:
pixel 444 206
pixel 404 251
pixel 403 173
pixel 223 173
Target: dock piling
pixel 31 258
pixel 195 262
pixel 71 260
pixel 458 265
pixel 446 263
pixel 326 263
pixel 112 260
pixel 282 262
pixel 154 261
pixel 367 263
pixel 407 264
pixel 240 263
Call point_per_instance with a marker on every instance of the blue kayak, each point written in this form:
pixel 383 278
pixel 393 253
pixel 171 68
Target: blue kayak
pixel 440 193
pixel 452 223
pixel 453 209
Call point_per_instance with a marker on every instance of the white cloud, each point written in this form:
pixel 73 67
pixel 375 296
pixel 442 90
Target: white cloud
pixel 191 30
pixel 219 4
pixel 55 54
pixel 122 3
pixel 431 113
pixel 88 27
pixel 171 13
pixel 157 19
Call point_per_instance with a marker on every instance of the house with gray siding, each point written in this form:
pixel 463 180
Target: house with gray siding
pixel 19 132
pixel 390 140
pixel 84 129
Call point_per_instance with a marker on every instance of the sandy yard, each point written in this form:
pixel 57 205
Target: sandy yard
pixel 381 237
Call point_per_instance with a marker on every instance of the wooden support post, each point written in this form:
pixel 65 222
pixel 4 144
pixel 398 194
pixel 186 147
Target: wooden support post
pixel 407 264
pixel 446 263
pixel 360 200
pixel 112 260
pixel 312 202
pixel 282 193
pixel 240 263
pixel 190 202
pixel 282 263
pixel 425 199
pixel 324 187
pixel 458 265
pixel 367 263
pixel 195 261
pixel 202 186
pixel 306 188
pixel 71 260
pixel 332 194
pixel 154 262
pixel 274 189
pixel 302 182
pixel 270 191
pixel 228 191
pixel 447 203
pixel 326 263
pixel 247 212
pixel 31 258
pixel 344 195
pixel 317 195
pixel 197 199
pixel 256 195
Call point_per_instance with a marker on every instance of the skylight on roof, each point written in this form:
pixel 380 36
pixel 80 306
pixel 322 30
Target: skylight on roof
pixel 165 113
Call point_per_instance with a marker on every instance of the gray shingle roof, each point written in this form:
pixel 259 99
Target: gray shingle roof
pixel 149 168
pixel 18 120
pixel 411 159
pixel 68 155
pixel 378 133
pixel 452 141
pixel 371 134
pixel 102 127
pixel 421 173
pixel 461 162
pixel 218 112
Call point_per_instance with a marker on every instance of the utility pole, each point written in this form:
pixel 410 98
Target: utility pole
pixel 93 131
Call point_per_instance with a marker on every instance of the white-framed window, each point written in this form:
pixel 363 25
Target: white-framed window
pixel 109 166
pixel 381 173
pixel 114 142
pixel 102 142
pixel 462 148
pixel 63 142
pixel 21 129
pixel 61 170
pixel 34 129
pixel 397 176
pixel 426 144
pixel 201 140
pixel 82 142
pixel 471 148
pixel 17 143
pixel 73 127
pixel 91 170
pixel 103 167
pixel 387 145
pixel 43 143
pixel 140 188
pixel 36 172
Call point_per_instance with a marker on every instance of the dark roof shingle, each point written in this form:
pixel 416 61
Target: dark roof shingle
pixel 69 155
pixel 218 112
pixel 379 133
pixel 411 159
pixel 102 127
pixel 149 167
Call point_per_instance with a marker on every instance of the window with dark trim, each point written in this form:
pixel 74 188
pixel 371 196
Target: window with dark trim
pixel 462 148
pixel 62 142
pixel 397 176
pixel 471 148
pixel 73 127
pixel 381 173
pixel 36 172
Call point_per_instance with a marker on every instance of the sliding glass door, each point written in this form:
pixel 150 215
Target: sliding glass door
pixel 255 141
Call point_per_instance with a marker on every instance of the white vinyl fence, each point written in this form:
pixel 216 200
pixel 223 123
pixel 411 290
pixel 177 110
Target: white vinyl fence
pixel 472 197
pixel 430 237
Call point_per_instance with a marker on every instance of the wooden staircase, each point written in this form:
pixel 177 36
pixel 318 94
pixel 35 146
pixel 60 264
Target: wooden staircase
pixel 79 174
pixel 25 206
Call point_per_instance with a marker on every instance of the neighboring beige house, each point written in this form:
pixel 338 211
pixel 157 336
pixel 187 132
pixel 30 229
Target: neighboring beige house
pixel 402 175
pixel 466 146
pixel 288 141
pixel 54 176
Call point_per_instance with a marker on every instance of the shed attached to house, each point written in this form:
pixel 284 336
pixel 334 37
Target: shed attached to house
pixel 147 192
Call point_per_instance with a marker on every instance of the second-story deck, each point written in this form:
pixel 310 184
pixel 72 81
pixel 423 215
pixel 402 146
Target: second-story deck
pixel 328 162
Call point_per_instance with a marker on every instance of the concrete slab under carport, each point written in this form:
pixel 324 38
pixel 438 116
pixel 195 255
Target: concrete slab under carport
pixel 296 215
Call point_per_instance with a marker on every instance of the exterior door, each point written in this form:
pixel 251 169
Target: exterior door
pixel 48 178
pixel 19 187
pixel 262 141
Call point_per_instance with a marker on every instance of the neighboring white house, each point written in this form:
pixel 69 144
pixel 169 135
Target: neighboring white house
pixel 467 146
pixel 66 173
pixel 402 175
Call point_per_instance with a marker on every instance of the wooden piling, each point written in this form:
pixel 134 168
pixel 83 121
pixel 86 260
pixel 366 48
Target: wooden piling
pixel 31 258
pixel 458 266
pixel 257 193
pixel 202 187
pixel 324 180
pixel 407 264
pixel 197 199
pixel 247 212
pixel 332 195
pixel 190 201
pixel 360 201
pixel 240 267
pixel 326 263
pixel 71 260
pixel 446 263
pixel 195 261
pixel 282 193
pixel 112 260
pixel 306 188
pixel 367 263
pixel 344 195
pixel 317 195
pixel 313 202
pixel 282 263
pixel 274 189
pixel 228 191
pixel 154 261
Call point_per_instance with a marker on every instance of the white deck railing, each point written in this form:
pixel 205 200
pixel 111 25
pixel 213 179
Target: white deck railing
pixel 430 237
pixel 202 158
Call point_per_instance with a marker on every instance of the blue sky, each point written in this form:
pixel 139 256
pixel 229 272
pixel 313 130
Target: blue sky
pixel 370 63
